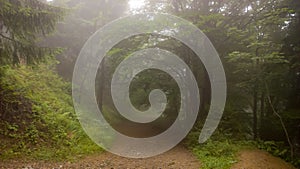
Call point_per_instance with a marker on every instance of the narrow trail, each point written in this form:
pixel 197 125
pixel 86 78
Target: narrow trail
pixel 258 159
pixel 177 158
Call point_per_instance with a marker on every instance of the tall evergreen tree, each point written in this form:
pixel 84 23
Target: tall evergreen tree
pixel 21 24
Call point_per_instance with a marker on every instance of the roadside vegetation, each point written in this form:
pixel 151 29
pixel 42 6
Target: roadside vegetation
pixel 37 116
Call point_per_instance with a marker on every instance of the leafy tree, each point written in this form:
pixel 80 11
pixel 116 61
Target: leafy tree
pixel 261 53
pixel 257 42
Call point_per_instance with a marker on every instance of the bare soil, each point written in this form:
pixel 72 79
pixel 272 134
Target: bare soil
pixel 176 158
pixel 258 159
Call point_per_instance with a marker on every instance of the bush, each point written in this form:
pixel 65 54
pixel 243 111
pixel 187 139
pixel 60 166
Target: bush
pixel 218 152
pixel 279 149
pixel 37 115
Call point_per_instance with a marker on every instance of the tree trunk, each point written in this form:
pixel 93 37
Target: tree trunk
pixel 101 80
pixel 205 7
pixel 262 112
pixel 255 113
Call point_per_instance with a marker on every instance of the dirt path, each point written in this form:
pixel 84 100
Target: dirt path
pixel 257 159
pixel 176 158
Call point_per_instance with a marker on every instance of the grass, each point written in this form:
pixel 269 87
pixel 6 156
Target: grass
pixel 71 153
pixel 38 120
pixel 220 153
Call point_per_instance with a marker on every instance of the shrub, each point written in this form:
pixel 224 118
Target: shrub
pixel 37 115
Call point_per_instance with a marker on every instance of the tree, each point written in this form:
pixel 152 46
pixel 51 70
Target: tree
pixel 84 17
pixel 21 24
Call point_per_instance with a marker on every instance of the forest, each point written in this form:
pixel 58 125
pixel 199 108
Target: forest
pixel 41 42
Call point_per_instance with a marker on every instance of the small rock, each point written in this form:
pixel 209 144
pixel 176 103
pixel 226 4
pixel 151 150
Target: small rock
pixel 28 167
pixel 171 163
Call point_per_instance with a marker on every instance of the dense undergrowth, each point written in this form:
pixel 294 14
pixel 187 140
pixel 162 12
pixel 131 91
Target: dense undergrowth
pixel 220 151
pixel 37 119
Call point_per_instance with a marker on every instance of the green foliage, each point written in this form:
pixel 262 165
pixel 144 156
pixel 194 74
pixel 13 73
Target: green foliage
pixel 42 117
pixel 83 19
pixel 21 24
pixel 278 149
pixel 218 152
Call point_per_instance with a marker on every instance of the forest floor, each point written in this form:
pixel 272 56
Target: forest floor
pixel 258 159
pixel 177 158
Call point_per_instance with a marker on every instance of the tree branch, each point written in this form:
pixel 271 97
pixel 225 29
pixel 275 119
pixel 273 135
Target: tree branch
pixel 281 121
pixel 8 38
